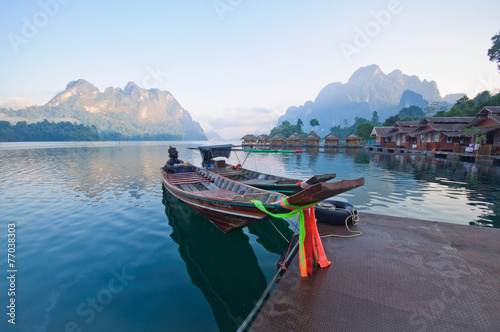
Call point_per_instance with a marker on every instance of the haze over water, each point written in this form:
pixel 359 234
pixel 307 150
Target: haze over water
pixel 93 224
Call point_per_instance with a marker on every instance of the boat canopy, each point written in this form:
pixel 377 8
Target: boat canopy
pixel 210 152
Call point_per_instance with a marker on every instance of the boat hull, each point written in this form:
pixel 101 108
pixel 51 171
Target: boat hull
pixel 228 204
pixel 225 214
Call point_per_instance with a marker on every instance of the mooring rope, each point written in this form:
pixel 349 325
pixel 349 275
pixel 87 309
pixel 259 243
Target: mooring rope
pixel 279 231
pixel 355 218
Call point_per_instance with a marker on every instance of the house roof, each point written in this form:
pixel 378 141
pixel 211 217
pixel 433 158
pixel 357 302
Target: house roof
pixel 447 127
pixel 443 124
pixel 480 131
pixel 313 136
pixel 478 120
pixel 448 119
pixel 294 137
pixel 406 123
pixel 405 127
pixel 263 137
pixel 331 137
pixel 353 136
pixel 381 131
pixel 493 110
pixel 278 136
pixel 484 130
pixel 249 136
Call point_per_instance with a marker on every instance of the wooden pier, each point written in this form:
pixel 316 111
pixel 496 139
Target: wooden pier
pixel 467 157
pixel 401 275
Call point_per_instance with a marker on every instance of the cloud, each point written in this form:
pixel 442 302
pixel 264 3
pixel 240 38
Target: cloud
pixel 235 123
pixel 18 103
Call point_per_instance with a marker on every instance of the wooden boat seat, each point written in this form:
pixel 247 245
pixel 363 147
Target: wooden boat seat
pixel 221 193
pixel 257 181
pixel 187 178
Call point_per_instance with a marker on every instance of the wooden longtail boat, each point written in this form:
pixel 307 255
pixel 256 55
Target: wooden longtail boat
pixel 228 203
pixel 257 179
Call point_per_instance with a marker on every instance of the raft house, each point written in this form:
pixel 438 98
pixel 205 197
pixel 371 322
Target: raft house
pixel 249 139
pixel 313 140
pixel 331 141
pixel 295 140
pixel 445 137
pixel 278 140
pixel 353 140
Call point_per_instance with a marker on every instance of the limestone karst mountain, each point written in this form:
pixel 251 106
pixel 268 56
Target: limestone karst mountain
pixel 367 90
pixel 131 112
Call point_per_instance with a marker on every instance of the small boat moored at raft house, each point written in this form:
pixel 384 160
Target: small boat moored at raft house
pixel 229 204
pixel 257 179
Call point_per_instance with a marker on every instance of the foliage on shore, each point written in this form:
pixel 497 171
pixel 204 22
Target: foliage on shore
pixel 469 107
pixel 46 131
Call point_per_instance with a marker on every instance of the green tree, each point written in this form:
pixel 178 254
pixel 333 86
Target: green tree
pixel 364 130
pixel 287 129
pixel 390 121
pixel 494 51
pixel 314 123
pixel 463 107
pixel 375 119
pixel 411 113
pixel 435 107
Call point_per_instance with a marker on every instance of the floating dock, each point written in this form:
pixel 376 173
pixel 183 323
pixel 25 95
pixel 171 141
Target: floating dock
pixel 401 275
pixel 467 157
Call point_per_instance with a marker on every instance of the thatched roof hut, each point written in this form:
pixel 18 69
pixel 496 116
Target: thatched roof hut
pixel 263 139
pixel 278 139
pixel 313 139
pixel 249 139
pixel 331 139
pixel 295 139
pixel 353 139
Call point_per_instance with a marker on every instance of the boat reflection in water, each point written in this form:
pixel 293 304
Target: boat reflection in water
pixel 223 266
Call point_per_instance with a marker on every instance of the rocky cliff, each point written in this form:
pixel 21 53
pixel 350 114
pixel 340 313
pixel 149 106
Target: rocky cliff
pixel 133 111
pixel 367 90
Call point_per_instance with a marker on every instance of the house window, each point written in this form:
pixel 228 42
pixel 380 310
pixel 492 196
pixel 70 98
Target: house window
pixel 422 138
pixel 449 139
pixel 461 140
pixel 435 136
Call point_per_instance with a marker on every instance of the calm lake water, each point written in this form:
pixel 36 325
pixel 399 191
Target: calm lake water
pixel 101 247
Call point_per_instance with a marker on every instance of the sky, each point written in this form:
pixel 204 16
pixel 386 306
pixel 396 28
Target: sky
pixel 237 65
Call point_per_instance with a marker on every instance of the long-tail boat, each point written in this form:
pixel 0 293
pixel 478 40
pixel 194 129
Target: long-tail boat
pixel 228 203
pixel 253 178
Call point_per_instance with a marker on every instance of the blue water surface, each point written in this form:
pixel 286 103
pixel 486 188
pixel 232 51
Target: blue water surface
pixel 101 247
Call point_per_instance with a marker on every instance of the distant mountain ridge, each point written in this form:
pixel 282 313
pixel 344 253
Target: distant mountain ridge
pixel 132 112
pixel 367 90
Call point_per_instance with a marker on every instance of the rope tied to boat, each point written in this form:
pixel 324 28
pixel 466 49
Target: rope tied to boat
pixel 309 239
pixel 303 184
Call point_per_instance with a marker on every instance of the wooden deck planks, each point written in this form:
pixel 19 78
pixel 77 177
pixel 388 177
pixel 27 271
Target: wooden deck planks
pixel 187 178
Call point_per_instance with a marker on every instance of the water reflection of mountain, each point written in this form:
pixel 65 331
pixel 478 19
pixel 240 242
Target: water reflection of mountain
pixel 94 173
pixel 223 266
